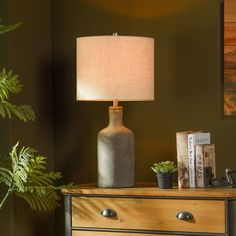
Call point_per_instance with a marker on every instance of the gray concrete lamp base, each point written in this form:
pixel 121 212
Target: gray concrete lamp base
pixel 116 153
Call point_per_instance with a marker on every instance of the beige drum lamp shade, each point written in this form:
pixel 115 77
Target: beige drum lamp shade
pixel 115 68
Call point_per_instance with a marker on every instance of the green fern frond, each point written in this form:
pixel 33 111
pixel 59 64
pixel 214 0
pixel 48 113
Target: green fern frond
pixel 20 165
pixel 7 28
pixel 39 200
pixel 38 163
pixel 39 178
pixel 23 112
pixel 9 83
pixel 27 178
pixel 36 174
pixel 6 176
pixel 41 197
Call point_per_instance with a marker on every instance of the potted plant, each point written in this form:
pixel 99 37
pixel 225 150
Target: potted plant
pixel 165 172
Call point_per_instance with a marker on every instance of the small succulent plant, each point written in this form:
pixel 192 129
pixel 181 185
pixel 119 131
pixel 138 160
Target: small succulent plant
pixel 164 167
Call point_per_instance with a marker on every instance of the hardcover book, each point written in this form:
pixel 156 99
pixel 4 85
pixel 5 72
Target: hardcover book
pixel 200 183
pixel 209 158
pixel 207 176
pixel 182 158
pixel 193 140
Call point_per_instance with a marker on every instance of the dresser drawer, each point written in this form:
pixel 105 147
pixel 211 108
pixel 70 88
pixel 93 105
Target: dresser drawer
pixel 91 233
pixel 149 214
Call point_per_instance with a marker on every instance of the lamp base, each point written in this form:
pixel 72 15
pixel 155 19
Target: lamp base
pixel 116 153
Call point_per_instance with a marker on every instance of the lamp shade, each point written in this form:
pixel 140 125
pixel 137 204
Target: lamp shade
pixel 115 68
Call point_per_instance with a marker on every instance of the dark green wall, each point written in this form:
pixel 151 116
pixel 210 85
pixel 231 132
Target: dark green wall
pixel 188 81
pixel 188 87
pixel 27 51
pixel 6 214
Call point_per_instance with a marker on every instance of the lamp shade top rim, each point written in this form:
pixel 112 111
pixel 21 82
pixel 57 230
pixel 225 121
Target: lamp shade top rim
pixel 120 36
pixel 113 99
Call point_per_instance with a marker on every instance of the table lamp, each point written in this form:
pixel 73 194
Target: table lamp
pixel 115 68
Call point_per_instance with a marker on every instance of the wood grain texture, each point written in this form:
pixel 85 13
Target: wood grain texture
pixel 92 233
pixel 150 189
pixel 230 79
pixel 229 102
pixel 149 214
pixel 230 10
pixel 230 57
pixel 230 34
pixel 230 91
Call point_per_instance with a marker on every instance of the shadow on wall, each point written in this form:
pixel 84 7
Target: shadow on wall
pixel 73 120
pixel 144 9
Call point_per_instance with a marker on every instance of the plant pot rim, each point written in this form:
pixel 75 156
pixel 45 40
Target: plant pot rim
pixel 164 174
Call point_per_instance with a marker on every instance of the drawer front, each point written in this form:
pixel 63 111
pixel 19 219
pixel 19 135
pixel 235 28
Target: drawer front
pixel 149 214
pixel 92 233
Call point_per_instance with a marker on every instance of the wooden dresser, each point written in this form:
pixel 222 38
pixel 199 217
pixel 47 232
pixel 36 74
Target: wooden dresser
pixel 145 210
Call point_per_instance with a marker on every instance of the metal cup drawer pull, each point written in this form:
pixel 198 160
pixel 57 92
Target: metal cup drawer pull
pixel 108 213
pixel 184 215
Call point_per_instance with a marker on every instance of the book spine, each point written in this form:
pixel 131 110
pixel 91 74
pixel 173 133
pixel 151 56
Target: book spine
pixel 209 158
pixel 194 139
pixel 207 176
pixel 191 153
pixel 200 166
pixel 182 159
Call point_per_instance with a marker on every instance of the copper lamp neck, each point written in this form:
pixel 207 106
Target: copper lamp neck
pixel 115 103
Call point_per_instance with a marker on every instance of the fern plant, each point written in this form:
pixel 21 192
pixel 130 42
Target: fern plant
pixel 23 172
pixel 24 175
pixel 9 84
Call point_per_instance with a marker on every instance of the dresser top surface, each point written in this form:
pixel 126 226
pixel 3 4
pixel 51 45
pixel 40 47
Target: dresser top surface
pixel 150 189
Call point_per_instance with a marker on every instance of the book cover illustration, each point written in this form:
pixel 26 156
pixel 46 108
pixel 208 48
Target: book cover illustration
pixel 209 159
pixel 182 158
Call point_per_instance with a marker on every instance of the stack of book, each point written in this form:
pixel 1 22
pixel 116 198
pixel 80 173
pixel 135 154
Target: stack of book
pixel 195 159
